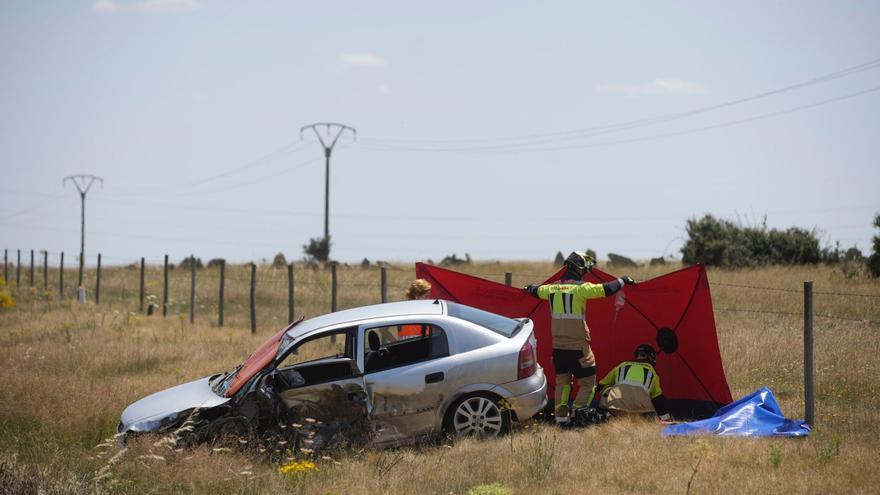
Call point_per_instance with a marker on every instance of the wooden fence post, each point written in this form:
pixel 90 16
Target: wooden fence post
pixel 143 285
pixel 45 271
pixel 222 285
pixel 253 298
pixel 18 270
pixel 809 399
pixel 291 314
pixel 333 290
pixel 165 289
pixel 192 289
pixel 508 279
pixel 61 277
pixel 383 283
pixel 98 282
pixel 31 276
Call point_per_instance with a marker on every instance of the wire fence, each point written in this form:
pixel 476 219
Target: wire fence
pixel 791 313
pixel 245 292
pixel 782 289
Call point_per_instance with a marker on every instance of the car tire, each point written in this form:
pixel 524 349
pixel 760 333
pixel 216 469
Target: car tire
pixel 478 414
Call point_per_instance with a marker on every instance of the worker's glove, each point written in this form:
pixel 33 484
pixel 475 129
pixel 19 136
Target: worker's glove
pixel 532 289
pixel 627 280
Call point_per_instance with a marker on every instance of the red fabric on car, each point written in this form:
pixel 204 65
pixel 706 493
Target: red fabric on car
pixel 257 361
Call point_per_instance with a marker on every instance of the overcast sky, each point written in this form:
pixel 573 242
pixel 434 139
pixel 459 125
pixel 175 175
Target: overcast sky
pixel 506 130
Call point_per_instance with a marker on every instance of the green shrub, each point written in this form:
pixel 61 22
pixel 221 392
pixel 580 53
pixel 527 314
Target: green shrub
pixel 775 456
pixel 318 249
pixel 874 259
pixel 826 453
pixel 490 489
pixel 719 242
pixel 279 261
pixel 620 260
pixel 188 262
pixel 559 259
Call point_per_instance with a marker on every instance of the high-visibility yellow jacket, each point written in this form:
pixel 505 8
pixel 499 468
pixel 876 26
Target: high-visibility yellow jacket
pixel 634 373
pixel 632 387
pixel 567 308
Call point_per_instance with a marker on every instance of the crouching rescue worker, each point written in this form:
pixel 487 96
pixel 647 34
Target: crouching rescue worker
pixel 633 387
pixel 572 356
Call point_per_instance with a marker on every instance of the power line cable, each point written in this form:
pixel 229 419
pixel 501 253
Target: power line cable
pixel 511 149
pixel 232 187
pixel 42 204
pixel 265 159
pixel 422 218
pixel 602 129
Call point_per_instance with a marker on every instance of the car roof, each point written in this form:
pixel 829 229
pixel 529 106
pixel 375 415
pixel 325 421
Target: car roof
pixel 402 308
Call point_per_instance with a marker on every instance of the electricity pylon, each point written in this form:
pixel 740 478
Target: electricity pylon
pixel 83 183
pixel 328 150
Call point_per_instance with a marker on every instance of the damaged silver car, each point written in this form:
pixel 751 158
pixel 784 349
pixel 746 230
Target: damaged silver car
pixel 386 375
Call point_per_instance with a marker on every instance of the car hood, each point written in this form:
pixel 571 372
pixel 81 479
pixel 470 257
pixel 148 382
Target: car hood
pixel 159 410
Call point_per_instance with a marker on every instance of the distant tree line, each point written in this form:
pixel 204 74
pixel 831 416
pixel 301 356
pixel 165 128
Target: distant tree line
pixel 723 243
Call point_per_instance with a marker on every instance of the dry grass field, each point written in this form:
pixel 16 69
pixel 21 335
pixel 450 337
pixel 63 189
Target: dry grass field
pixel 69 369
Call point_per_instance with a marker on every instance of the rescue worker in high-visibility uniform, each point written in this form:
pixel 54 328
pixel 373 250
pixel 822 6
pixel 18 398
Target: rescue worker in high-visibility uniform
pixel 633 387
pixel 572 356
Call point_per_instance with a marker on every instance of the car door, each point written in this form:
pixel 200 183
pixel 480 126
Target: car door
pixel 404 373
pixel 321 387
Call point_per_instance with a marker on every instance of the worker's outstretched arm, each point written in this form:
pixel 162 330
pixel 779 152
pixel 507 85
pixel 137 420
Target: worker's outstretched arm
pixel 615 285
pixel 539 291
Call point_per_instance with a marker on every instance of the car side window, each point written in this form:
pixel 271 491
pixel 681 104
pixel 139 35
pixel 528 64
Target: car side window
pixel 399 345
pixel 324 358
pixel 327 346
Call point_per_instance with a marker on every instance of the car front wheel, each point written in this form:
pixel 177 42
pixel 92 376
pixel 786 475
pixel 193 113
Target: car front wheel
pixel 477 415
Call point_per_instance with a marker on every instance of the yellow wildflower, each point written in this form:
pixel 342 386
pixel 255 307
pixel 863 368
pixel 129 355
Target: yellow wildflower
pixel 294 468
pixel 6 299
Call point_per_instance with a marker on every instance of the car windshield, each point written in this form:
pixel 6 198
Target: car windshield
pixel 229 383
pixel 497 323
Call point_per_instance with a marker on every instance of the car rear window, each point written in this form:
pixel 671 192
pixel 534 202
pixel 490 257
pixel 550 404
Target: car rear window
pixel 497 323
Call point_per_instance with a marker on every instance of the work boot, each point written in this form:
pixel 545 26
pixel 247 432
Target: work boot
pixel 561 414
pixel 586 416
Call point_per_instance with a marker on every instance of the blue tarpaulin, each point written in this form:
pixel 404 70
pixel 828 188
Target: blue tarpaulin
pixel 755 415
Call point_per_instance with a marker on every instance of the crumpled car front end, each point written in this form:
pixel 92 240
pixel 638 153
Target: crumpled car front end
pixel 164 410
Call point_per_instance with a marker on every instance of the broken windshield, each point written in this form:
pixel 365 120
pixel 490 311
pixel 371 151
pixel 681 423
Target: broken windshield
pixel 234 380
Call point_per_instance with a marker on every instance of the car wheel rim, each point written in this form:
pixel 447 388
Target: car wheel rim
pixel 477 416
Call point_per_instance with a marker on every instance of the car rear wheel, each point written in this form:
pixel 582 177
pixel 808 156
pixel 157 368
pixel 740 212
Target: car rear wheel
pixel 477 415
